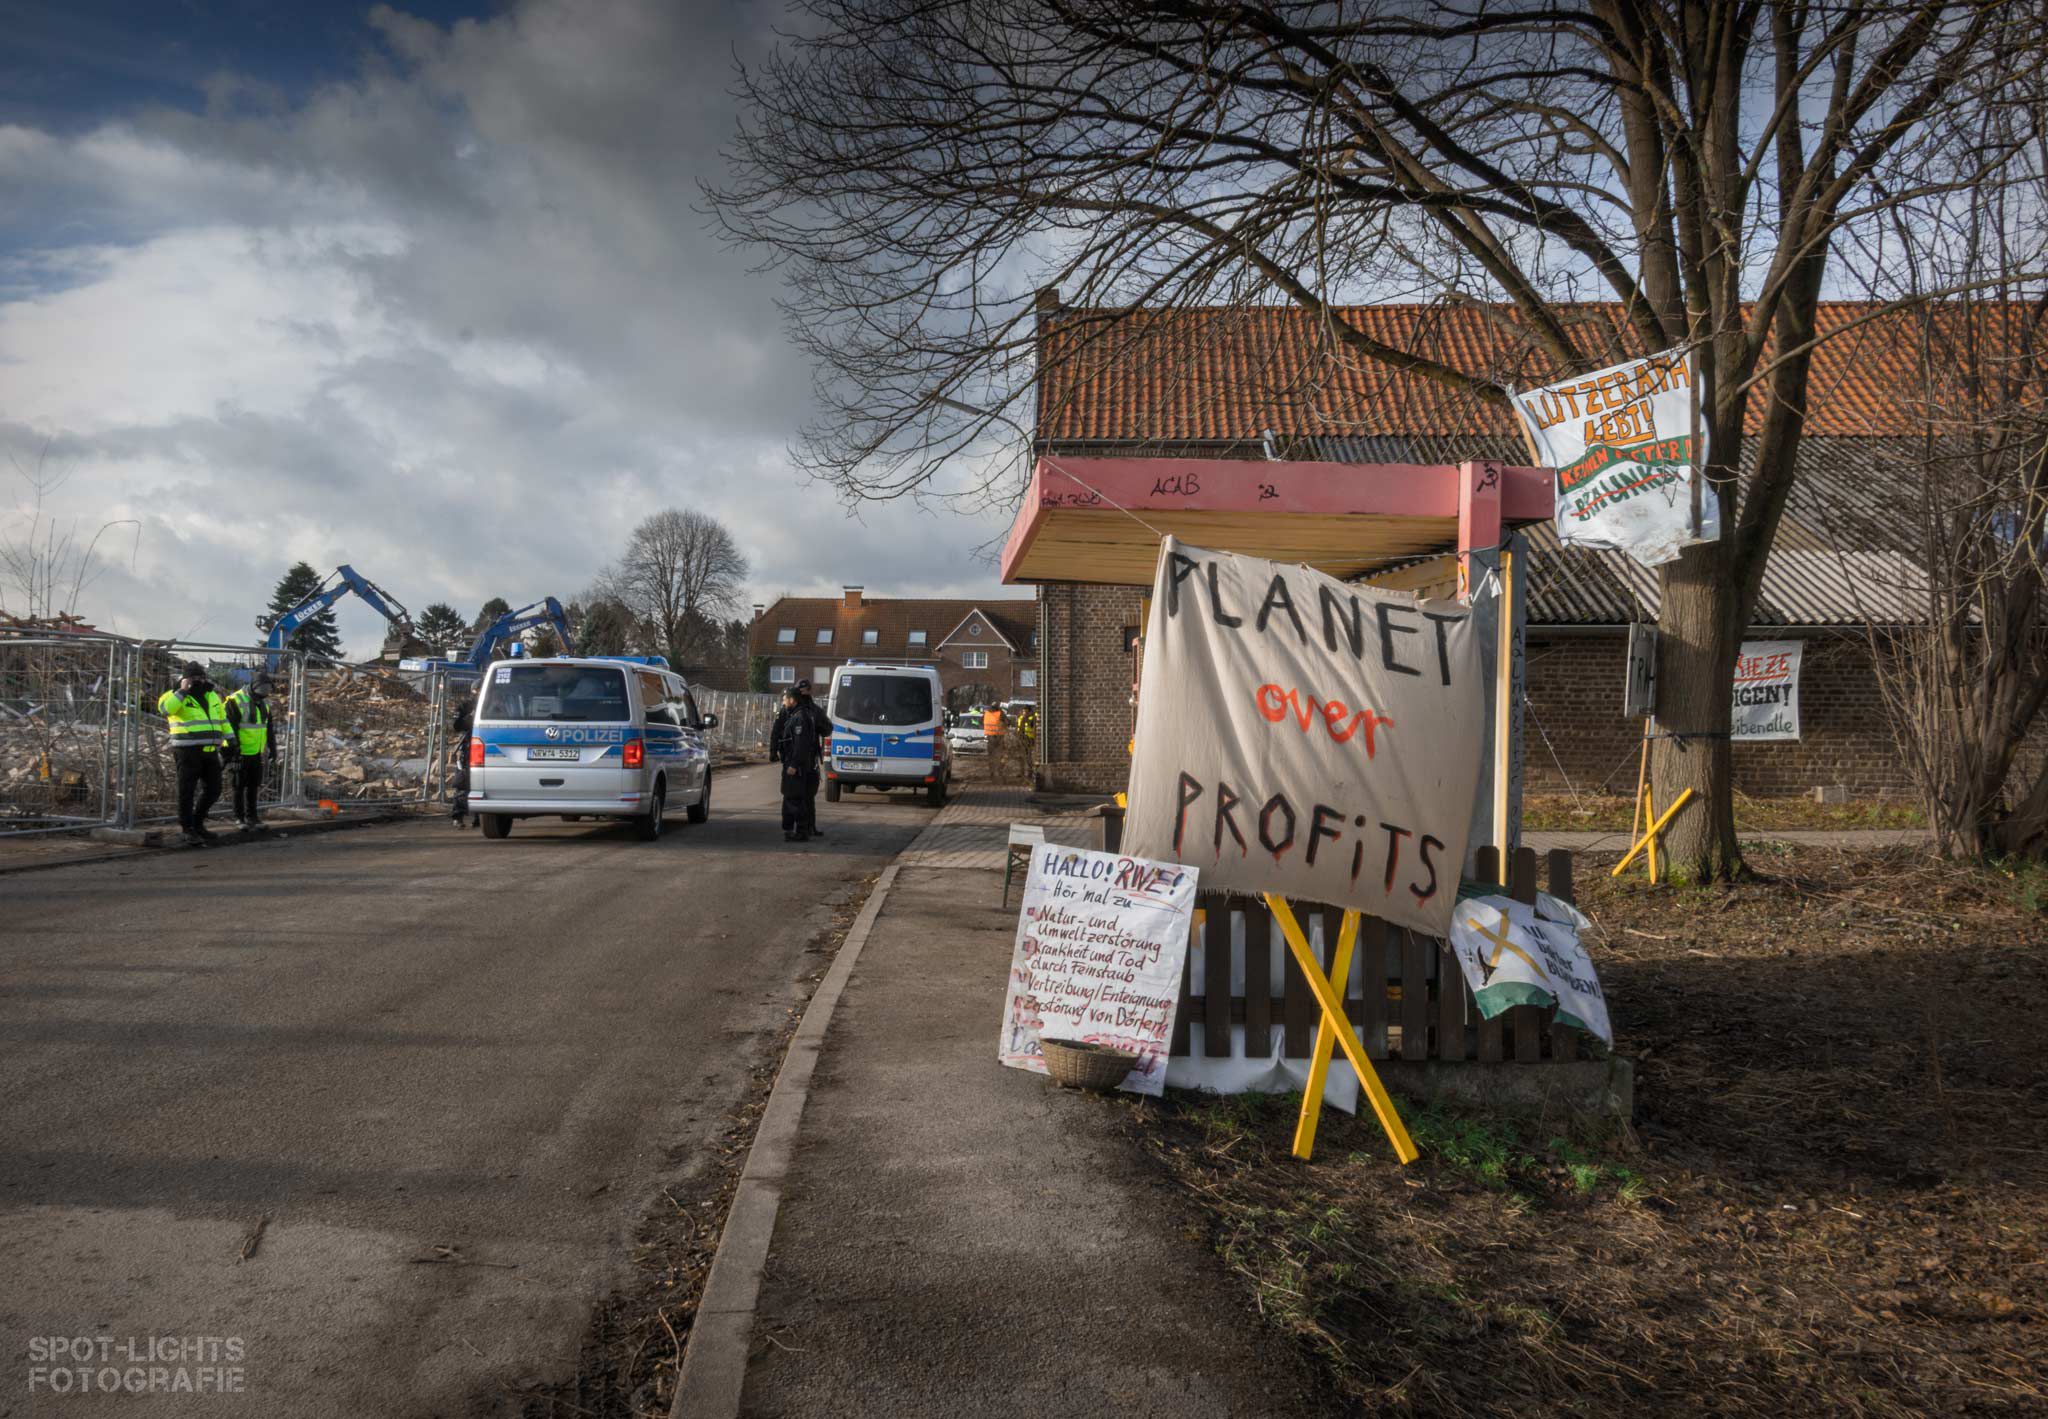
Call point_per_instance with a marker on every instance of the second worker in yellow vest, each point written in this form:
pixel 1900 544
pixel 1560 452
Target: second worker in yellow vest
pixel 248 719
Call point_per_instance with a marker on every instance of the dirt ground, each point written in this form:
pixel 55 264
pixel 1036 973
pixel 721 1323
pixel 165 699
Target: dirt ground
pixel 1834 1198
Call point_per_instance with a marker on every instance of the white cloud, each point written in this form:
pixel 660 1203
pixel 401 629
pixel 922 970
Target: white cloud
pixel 458 322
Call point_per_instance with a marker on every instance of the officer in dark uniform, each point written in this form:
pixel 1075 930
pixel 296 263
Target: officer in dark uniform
pixel 798 747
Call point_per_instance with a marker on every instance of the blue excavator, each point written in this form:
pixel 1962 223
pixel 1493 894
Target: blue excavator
pixel 505 633
pixel 345 581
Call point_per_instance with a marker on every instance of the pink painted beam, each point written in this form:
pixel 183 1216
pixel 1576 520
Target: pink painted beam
pixel 1169 485
pixel 1479 516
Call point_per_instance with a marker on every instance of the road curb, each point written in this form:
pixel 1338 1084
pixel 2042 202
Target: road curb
pixel 714 1368
pixel 278 831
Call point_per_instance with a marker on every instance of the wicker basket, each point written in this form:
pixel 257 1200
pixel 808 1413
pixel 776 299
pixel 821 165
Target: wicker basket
pixel 1076 1064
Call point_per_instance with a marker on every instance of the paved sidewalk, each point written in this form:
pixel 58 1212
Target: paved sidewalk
pixel 960 1238
pixel 973 830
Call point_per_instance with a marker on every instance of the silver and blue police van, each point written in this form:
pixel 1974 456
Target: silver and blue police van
pixel 587 737
pixel 888 731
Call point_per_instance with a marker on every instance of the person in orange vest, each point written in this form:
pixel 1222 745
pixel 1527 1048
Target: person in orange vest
pixel 992 724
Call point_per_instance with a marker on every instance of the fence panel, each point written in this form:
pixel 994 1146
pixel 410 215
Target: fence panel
pixel 60 732
pixel 370 734
pixel 744 719
pixel 1406 994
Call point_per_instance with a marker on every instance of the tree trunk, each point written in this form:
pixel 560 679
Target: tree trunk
pixel 1696 649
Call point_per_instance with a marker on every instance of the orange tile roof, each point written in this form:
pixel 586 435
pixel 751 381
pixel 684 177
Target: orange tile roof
pixel 890 618
pixel 1226 374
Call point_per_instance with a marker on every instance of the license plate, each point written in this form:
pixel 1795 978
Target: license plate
pixel 546 752
pixel 854 766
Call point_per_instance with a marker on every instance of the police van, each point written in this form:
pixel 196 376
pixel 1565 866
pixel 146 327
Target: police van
pixel 888 731
pixel 587 737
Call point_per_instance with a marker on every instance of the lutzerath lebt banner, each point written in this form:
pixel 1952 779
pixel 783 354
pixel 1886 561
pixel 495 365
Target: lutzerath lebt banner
pixel 1622 441
pixel 1300 735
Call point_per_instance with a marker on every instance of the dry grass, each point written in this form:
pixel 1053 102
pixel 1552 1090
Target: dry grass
pixel 1610 813
pixel 1835 1199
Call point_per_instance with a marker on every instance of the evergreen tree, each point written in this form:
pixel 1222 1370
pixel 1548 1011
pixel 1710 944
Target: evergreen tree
pixel 441 626
pixel 493 609
pixel 318 635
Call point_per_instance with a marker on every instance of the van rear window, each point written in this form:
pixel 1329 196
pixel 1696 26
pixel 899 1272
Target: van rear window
pixel 564 694
pixel 883 699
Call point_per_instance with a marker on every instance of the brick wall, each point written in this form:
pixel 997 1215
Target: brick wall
pixel 1085 692
pixel 1574 725
pixel 1575 728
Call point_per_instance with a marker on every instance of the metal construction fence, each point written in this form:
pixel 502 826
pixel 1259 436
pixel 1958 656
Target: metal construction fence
pixel 744 719
pixel 82 744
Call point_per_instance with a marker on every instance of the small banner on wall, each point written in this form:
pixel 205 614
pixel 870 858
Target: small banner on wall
pixel 1766 692
pixel 1303 736
pixel 1101 942
pixel 1622 442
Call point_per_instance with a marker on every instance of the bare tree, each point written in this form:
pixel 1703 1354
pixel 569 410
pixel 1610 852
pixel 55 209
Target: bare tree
pixel 45 566
pixel 920 167
pixel 680 575
pixel 1967 677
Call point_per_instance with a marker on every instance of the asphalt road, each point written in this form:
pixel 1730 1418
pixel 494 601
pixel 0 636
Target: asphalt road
pixel 387 1041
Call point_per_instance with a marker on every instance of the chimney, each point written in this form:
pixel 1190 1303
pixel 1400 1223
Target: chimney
pixel 853 598
pixel 759 610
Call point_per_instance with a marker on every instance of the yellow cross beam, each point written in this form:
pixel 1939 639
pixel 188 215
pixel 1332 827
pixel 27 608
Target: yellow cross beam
pixel 1326 1043
pixel 1650 833
pixel 1498 935
pixel 1333 1021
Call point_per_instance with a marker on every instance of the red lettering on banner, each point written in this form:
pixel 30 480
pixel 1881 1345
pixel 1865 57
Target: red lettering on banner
pixel 1339 720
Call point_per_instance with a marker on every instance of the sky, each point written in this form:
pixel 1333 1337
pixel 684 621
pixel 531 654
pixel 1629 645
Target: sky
pixel 423 288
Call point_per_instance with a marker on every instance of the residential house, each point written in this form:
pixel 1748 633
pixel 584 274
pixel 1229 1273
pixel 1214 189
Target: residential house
pixel 984 650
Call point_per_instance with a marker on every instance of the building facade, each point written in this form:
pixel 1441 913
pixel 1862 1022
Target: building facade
pixel 1237 384
pixel 983 650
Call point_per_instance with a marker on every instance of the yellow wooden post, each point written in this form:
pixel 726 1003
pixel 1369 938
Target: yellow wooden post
pixel 1333 1014
pixel 1650 816
pixel 1650 834
pixel 1326 1042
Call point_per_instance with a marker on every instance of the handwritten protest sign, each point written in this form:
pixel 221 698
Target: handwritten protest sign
pixel 1766 692
pixel 1303 736
pixel 1514 954
pixel 1622 442
pixel 1101 941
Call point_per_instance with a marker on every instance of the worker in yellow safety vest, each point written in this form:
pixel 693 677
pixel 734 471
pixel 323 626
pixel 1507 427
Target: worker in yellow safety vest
pixel 248 716
pixel 198 721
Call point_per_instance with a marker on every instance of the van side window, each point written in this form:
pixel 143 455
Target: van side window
pixel 689 708
pixel 654 698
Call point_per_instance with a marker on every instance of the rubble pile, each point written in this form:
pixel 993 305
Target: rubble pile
pixel 366 735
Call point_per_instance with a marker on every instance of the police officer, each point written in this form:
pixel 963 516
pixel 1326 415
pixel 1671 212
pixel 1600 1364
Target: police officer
pixel 248 716
pixel 797 702
pixel 796 747
pixel 198 722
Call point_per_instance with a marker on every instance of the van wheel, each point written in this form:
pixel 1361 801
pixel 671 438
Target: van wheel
pixel 701 809
pixel 648 825
pixel 497 825
pixel 832 790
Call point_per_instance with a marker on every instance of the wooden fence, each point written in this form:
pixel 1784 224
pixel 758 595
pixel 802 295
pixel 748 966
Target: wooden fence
pixel 1407 994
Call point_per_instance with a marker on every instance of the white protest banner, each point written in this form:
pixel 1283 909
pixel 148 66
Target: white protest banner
pixel 1766 692
pixel 1621 440
pixel 1101 941
pixel 1304 736
pixel 1512 955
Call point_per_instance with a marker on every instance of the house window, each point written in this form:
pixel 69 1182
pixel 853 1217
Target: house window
pixel 974 659
pixel 821 676
pixel 870 637
pixel 786 636
pixel 782 674
pixel 1027 679
pixel 917 637
pixel 1130 639
pixel 824 635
